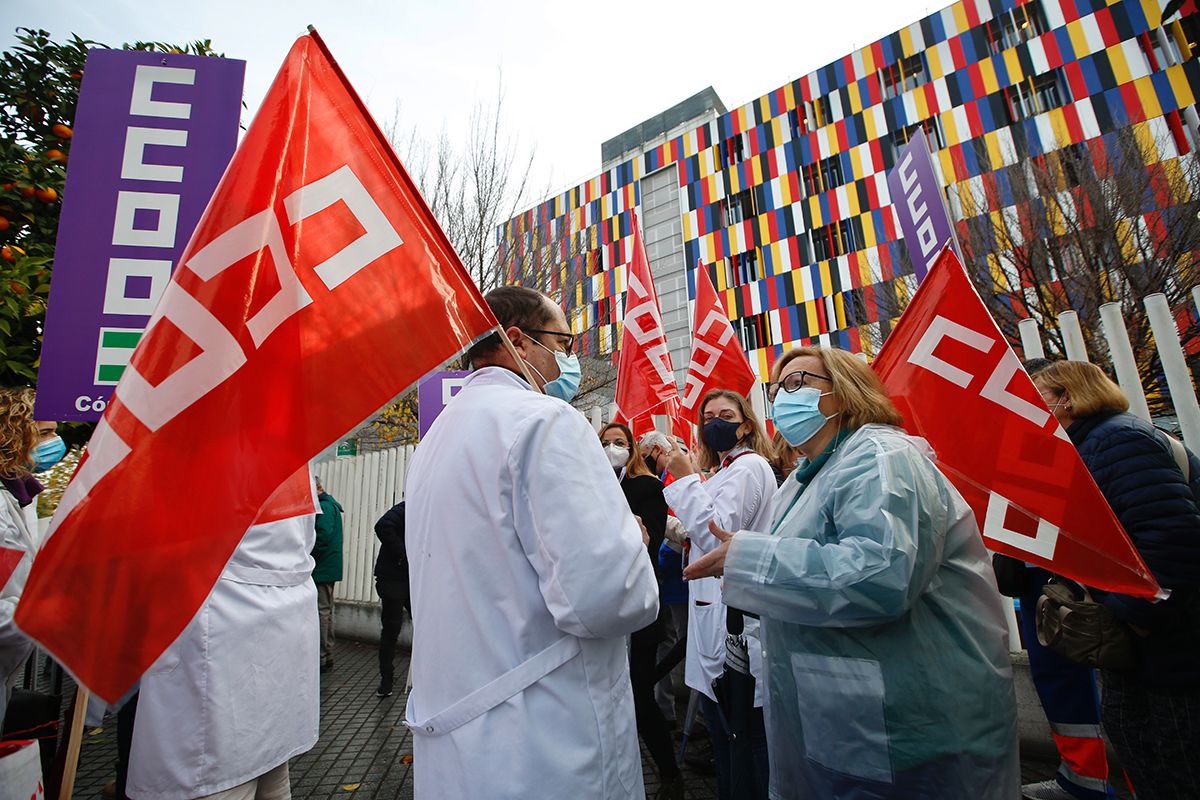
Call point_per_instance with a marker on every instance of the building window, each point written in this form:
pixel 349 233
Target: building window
pixel 822 112
pixel 830 241
pixel 1021 24
pixel 1037 95
pixel 741 268
pixel 799 122
pixel 735 150
pixel 904 76
pixel 933 133
pixel 823 175
pixel 738 207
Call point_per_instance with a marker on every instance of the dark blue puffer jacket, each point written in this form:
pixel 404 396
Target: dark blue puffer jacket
pixel 1134 467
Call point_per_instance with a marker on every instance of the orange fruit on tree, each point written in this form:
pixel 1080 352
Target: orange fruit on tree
pixel 4 223
pixel 47 195
pixel 6 253
pixel 26 191
pixel 56 155
pixel 62 131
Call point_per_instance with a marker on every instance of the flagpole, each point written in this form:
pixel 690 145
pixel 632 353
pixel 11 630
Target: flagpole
pixel 412 187
pixel 74 741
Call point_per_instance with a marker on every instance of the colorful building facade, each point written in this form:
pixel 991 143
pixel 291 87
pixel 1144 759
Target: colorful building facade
pixel 785 199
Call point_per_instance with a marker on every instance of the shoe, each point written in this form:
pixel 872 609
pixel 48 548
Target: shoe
pixel 671 790
pixel 384 690
pixel 1045 790
pixel 699 757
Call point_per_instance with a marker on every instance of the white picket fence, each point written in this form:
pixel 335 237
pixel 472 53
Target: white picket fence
pixel 366 485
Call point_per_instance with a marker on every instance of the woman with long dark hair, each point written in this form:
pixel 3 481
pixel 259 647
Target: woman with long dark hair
pixel 644 493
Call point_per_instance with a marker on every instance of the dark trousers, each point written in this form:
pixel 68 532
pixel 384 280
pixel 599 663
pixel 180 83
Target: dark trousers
pixel 742 764
pixel 394 597
pixel 651 724
pixel 1156 736
pixel 125 719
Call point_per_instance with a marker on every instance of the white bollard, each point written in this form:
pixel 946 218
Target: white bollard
pixel 594 417
pixel 1122 358
pixel 1068 323
pixel 1031 338
pixel 758 401
pixel 1179 380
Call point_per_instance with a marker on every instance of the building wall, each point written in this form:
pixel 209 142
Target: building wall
pixel 785 201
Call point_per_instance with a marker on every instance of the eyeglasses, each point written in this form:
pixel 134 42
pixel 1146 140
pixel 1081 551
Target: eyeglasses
pixel 792 383
pixel 570 337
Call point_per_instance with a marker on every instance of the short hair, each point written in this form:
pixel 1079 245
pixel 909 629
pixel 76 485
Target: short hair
pixel 756 440
pixel 18 432
pixel 635 464
pixel 512 305
pixel 864 400
pixel 1035 365
pixel 1090 390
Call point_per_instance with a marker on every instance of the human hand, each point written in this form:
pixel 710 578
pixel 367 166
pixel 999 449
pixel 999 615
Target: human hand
pixel 676 460
pixel 712 564
pixel 645 533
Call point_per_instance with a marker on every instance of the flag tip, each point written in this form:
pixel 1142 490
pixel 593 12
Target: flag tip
pixel 311 29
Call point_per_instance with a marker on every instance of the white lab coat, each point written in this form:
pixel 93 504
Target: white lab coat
pixel 18 531
pixel 527 572
pixel 737 498
pixel 237 693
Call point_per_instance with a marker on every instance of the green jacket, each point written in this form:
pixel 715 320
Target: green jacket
pixel 327 552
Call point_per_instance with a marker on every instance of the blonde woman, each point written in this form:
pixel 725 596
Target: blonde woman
pixel 26 447
pixel 884 633
pixel 1152 713
pixel 738 493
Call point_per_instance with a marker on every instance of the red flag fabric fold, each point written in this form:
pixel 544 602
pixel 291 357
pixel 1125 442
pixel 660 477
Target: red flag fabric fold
pixel 958 383
pixel 316 287
pixel 645 378
pixel 718 360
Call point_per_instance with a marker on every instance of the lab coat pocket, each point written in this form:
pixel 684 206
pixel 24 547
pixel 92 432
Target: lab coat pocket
pixel 841 711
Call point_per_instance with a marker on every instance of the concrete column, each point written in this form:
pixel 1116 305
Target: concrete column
pixel 1068 323
pixel 1031 338
pixel 1179 380
pixel 1122 358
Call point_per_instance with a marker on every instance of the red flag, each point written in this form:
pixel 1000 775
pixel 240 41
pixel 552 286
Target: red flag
pixel 959 384
pixel 645 378
pixel 718 360
pixel 9 559
pixel 316 287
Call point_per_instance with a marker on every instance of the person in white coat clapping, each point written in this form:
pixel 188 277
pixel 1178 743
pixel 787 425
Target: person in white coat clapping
pixel 733 443
pixel 527 572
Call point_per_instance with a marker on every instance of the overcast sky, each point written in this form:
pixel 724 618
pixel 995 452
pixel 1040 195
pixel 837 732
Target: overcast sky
pixel 574 74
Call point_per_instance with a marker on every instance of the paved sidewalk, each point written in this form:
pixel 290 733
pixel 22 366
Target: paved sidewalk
pixel 365 751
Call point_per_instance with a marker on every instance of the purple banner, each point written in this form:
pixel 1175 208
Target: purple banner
pixel 433 393
pixel 153 134
pixel 917 195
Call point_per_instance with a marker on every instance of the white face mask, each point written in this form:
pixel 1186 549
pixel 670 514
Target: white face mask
pixel 617 456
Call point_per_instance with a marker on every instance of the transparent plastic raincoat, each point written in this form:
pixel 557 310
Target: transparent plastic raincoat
pixel 888 672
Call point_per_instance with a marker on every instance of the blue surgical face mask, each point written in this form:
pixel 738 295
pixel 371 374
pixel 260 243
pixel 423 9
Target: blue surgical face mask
pixel 797 416
pixel 566 385
pixel 48 453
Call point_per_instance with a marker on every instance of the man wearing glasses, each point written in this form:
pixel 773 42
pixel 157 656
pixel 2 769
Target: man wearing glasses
pixel 527 571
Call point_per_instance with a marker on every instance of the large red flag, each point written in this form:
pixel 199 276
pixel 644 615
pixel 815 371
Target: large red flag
pixel 645 378
pixel 718 360
pixel 316 288
pixel 959 384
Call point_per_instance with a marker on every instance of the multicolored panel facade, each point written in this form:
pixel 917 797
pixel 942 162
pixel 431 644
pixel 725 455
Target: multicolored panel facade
pixel 785 200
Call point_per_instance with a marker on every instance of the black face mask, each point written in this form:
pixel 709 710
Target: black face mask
pixel 721 435
pixel 651 465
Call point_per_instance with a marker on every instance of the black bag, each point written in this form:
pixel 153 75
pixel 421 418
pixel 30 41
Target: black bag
pixel 1010 574
pixel 34 715
pixel 1075 626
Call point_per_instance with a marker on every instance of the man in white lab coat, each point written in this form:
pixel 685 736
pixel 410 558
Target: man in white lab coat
pixel 527 573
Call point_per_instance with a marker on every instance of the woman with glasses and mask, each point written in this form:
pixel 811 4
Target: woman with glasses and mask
pixel 883 631
pixel 26 447
pixel 644 493
pixel 734 444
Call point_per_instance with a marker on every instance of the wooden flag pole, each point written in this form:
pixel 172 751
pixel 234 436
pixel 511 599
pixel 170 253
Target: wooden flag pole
pixel 74 742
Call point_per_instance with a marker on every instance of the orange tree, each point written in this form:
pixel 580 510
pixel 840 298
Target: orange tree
pixel 39 89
